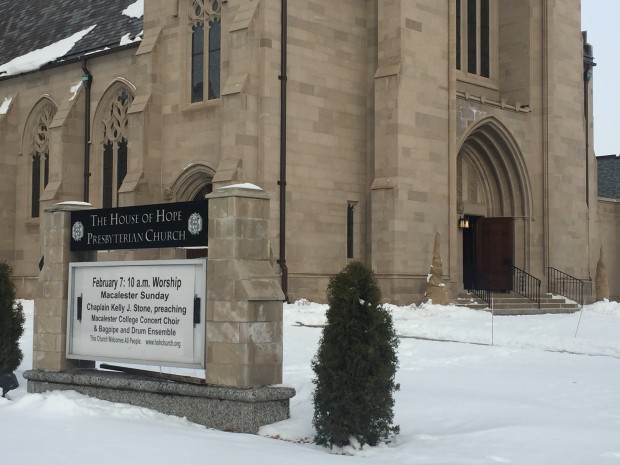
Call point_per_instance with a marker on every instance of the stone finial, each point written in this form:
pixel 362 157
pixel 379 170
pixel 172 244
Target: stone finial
pixel 435 287
pixel 600 280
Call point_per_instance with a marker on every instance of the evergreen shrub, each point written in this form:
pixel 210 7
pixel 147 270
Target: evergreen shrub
pixel 11 322
pixel 356 363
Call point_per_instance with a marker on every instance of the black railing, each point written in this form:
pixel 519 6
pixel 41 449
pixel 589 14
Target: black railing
pixel 478 285
pixel 482 294
pixel 526 285
pixel 522 283
pixel 565 285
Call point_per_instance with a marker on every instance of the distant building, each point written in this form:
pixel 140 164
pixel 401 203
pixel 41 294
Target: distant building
pixel 380 124
pixel 608 169
pixel 608 174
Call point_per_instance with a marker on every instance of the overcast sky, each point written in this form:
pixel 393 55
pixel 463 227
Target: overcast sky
pixel 601 18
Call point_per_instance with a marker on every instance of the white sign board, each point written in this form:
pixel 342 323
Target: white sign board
pixel 144 312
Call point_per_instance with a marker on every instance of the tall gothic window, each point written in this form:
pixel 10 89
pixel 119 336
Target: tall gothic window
pixel 115 147
pixel 350 208
pixel 40 157
pixel 205 21
pixel 473 37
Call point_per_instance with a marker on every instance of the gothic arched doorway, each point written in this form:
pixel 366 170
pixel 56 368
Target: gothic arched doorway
pixel 194 184
pixel 494 196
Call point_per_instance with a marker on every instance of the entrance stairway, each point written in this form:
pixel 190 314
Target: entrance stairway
pixel 514 304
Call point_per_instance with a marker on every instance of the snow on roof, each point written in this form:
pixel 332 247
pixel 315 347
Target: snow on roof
pixel 129 39
pixel 4 107
pixel 27 29
pixel 135 10
pixel 37 58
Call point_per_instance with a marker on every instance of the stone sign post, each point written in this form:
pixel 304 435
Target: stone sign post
pixel 244 298
pixel 50 303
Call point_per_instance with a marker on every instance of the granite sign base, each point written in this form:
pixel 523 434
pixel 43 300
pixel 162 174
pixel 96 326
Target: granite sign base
pixel 242 410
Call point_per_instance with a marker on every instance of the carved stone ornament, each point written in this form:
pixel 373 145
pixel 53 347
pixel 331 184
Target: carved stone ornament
pixel 194 224
pixel 77 231
pixel 601 282
pixel 436 291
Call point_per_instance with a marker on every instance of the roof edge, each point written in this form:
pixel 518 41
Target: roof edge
pixel 75 59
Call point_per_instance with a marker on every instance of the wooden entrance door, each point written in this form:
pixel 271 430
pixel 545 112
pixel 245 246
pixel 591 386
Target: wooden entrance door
pixel 495 252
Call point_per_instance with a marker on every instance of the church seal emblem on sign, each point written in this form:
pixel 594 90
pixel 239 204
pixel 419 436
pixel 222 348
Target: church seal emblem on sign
pixel 77 231
pixel 194 224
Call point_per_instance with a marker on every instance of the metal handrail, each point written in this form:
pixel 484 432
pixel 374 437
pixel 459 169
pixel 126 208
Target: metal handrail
pixel 483 294
pixel 522 283
pixel 477 286
pixel 563 284
pixel 525 284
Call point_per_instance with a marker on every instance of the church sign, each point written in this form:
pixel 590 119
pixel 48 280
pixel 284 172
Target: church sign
pixel 181 224
pixel 145 312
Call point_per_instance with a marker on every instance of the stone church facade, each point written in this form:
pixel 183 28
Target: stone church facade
pixel 372 124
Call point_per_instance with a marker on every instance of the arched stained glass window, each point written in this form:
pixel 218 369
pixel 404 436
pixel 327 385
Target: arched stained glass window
pixel 473 37
pixel 40 168
pixel 205 21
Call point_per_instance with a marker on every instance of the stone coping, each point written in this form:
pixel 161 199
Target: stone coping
pixel 126 381
pixel 236 191
pixel 69 206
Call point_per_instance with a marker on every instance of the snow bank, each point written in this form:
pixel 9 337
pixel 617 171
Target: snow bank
pixel 459 403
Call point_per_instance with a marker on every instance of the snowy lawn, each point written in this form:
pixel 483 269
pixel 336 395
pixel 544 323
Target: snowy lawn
pixel 539 395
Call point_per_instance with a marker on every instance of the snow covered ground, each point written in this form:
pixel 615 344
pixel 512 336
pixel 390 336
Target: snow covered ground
pixel 539 395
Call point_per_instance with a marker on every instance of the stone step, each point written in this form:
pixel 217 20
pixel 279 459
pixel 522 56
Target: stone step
pixel 511 300
pixel 532 304
pixel 559 305
pixel 515 304
pixel 533 311
pixel 473 306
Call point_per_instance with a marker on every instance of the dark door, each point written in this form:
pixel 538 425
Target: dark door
pixel 469 253
pixel 495 252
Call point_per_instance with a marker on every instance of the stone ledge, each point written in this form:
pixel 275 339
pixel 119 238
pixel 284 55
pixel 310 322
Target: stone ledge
pixel 242 410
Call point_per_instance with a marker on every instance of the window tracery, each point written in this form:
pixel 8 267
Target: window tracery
pixel 115 125
pixel 115 128
pixel 205 11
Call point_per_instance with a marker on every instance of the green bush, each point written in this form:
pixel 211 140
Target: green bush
pixel 11 322
pixel 356 363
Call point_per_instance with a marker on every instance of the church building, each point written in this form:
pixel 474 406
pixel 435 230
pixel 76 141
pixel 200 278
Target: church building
pixel 372 125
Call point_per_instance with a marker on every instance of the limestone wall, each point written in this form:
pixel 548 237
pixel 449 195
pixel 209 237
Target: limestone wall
pixel 8 158
pixel 376 118
pixel 564 139
pixel 66 150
